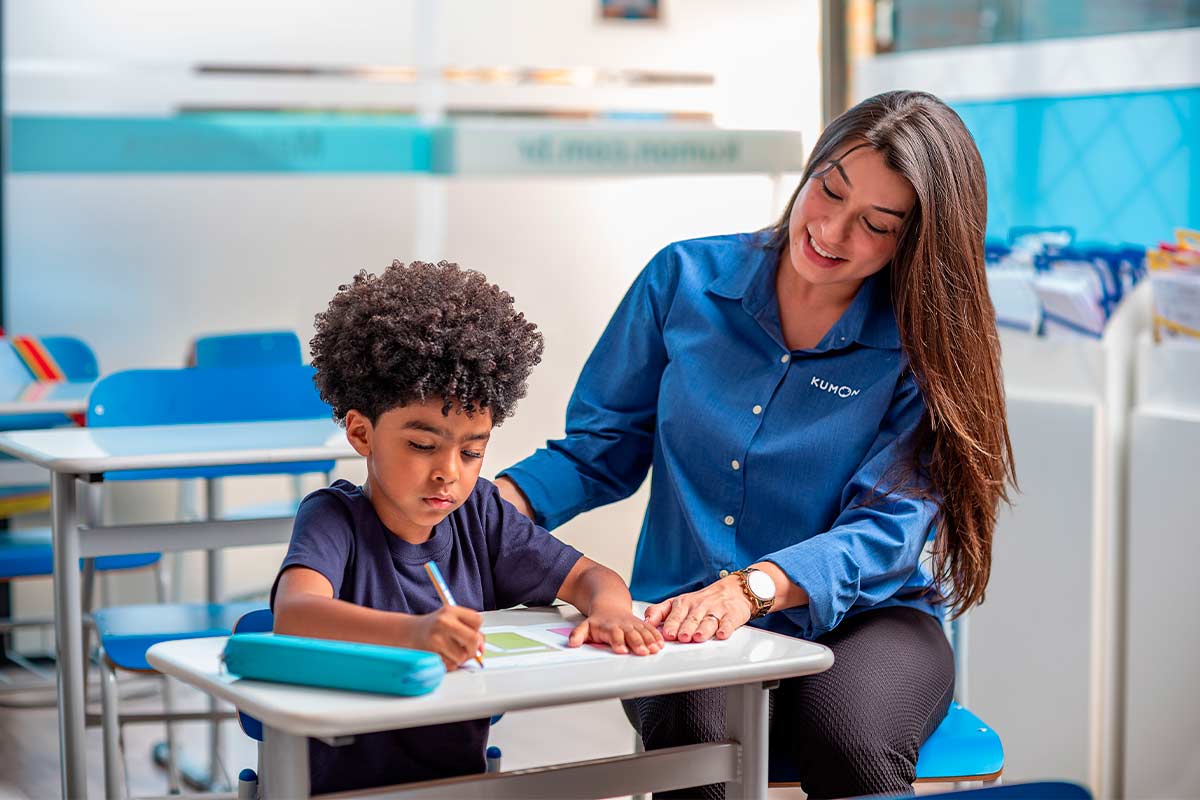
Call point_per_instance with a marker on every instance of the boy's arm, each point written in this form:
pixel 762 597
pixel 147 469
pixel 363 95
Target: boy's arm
pixel 305 606
pixel 602 597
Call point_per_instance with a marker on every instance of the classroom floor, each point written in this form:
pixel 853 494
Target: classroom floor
pixel 29 748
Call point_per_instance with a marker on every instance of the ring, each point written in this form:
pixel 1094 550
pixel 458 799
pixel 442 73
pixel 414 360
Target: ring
pixel 714 616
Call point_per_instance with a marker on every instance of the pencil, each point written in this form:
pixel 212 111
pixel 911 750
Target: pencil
pixel 443 590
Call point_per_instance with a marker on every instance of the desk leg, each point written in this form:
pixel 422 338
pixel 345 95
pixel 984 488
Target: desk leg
pixel 285 765
pixel 746 716
pixel 68 636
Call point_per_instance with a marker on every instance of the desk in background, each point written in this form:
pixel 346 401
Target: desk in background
pixel 73 454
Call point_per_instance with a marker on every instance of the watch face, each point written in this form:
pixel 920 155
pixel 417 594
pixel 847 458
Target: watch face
pixel 761 584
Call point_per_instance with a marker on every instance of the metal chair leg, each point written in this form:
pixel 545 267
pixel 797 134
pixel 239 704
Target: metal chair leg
pixel 88 594
pixel 168 693
pixel 114 757
pixel 215 591
pixel 162 589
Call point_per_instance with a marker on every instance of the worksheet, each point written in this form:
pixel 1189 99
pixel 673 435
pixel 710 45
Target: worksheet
pixel 509 646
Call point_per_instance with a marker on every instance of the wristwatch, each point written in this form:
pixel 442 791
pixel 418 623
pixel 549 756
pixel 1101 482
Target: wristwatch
pixel 758 588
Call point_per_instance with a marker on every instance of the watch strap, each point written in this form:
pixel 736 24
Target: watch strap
pixel 760 606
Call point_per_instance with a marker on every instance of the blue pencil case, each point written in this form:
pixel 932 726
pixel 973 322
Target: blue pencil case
pixel 333 665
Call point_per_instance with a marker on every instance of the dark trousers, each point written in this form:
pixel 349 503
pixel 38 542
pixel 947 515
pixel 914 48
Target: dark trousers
pixel 854 729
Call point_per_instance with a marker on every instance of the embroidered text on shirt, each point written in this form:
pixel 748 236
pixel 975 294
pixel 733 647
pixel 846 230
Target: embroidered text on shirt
pixel 833 388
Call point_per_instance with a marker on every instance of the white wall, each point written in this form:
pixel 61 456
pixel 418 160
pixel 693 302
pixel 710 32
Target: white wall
pixel 138 265
pixel 126 55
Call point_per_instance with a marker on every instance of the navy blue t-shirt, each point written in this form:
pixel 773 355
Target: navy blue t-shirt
pixel 492 557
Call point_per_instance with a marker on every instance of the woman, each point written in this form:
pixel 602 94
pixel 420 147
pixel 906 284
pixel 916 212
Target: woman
pixel 819 400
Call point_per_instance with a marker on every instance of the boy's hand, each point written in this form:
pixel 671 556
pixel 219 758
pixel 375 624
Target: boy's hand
pixel 620 630
pixel 452 632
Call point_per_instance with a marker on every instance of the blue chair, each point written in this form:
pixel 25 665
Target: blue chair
pixel 77 361
pixel 79 364
pixel 253 349
pixel 28 553
pixel 250 349
pixel 126 633
pixel 963 748
pixel 200 395
pixel 1041 790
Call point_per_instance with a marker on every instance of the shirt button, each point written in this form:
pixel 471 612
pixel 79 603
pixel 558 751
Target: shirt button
pixel 724 573
pixel 757 409
pixel 783 359
pixel 735 464
pixel 728 520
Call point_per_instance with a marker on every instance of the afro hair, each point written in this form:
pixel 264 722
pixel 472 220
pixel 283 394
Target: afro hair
pixel 421 332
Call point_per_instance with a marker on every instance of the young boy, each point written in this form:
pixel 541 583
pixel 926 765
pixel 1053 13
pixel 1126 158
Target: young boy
pixel 419 364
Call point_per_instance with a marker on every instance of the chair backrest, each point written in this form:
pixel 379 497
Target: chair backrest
pixel 261 348
pixel 230 394
pixel 75 359
pixel 13 371
pixel 233 394
pixel 260 620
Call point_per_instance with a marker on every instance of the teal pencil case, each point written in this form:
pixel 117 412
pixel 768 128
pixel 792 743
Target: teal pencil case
pixel 333 665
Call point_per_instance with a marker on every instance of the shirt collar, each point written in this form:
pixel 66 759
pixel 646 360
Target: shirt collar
pixel 869 320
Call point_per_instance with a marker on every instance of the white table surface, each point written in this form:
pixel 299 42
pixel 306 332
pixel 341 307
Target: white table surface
pixel 46 397
pixel 749 655
pixel 82 451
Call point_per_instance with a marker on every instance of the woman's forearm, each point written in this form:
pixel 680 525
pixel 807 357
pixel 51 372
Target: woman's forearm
pixel 787 594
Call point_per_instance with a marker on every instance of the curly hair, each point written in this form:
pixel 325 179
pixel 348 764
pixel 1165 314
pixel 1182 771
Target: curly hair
pixel 420 332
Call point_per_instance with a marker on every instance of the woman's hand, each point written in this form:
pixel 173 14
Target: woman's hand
pixel 620 630
pixel 717 611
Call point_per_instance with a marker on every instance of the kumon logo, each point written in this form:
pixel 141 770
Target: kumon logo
pixel 833 388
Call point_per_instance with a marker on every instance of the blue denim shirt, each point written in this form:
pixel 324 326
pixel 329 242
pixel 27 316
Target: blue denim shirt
pixel 759 452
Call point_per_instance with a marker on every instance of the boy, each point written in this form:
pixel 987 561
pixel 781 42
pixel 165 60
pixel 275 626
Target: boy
pixel 419 364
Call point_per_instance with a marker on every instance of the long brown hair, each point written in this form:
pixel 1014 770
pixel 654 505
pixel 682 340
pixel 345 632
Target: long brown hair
pixel 962 455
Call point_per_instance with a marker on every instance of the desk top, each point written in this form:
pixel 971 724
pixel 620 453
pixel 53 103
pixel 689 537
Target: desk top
pixel 747 656
pixel 45 397
pixel 93 450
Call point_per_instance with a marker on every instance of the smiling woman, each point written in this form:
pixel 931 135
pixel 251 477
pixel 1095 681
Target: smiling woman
pixel 843 367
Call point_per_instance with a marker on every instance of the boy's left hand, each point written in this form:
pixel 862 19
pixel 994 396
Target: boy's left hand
pixel 620 630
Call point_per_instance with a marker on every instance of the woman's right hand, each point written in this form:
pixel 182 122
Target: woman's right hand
pixel 510 492
pixel 452 632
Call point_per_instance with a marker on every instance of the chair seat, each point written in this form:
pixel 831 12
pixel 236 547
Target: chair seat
pixel 279 508
pixel 24 499
pixel 28 553
pixel 961 747
pixel 127 632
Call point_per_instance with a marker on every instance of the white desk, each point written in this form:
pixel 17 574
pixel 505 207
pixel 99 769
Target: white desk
pixel 746 664
pixel 45 397
pixel 86 453
pixel 38 397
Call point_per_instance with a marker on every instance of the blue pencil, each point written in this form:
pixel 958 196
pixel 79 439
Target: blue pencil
pixel 443 590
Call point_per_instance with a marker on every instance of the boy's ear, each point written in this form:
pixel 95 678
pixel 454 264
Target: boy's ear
pixel 359 431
